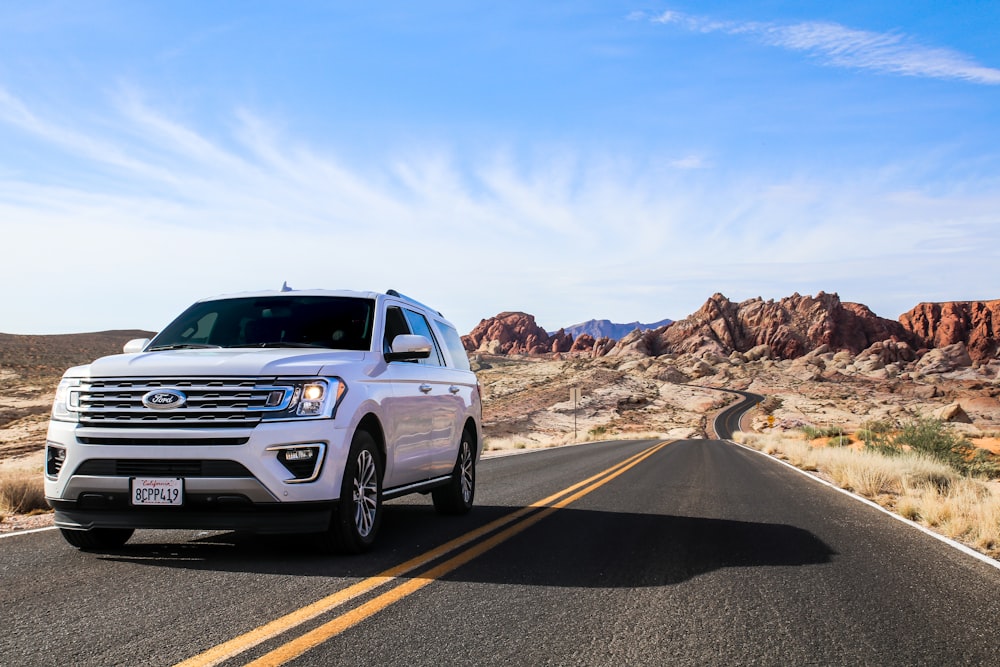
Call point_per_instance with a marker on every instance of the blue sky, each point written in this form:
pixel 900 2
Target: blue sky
pixel 573 160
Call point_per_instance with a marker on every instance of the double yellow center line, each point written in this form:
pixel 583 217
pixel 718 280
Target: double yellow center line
pixel 512 524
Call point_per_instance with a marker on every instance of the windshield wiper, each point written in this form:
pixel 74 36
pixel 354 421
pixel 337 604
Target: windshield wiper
pixel 182 346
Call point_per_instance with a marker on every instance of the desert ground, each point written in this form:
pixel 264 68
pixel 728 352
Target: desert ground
pixel 528 402
pixel 527 399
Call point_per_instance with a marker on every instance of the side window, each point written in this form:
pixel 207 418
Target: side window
pixel 395 325
pixel 419 326
pixel 453 342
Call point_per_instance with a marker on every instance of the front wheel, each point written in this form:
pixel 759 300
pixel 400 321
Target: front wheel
pixel 96 539
pixel 359 512
pixel 457 495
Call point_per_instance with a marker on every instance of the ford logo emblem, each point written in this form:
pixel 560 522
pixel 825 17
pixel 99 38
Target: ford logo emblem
pixel 164 399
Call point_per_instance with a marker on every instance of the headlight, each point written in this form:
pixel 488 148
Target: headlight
pixel 67 403
pixel 307 398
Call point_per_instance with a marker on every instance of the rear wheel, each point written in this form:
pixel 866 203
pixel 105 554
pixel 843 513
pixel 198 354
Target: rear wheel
pixel 97 538
pixel 457 495
pixel 358 516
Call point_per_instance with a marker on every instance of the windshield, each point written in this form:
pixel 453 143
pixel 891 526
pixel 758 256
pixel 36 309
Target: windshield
pixel 339 323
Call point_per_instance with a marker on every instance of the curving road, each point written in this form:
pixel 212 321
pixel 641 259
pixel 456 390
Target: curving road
pixel 689 553
pixel 727 422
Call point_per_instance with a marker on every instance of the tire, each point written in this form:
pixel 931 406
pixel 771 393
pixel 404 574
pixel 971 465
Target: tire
pixel 457 495
pixel 358 515
pixel 97 539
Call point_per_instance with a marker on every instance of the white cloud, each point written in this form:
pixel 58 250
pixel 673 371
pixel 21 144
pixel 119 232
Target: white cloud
pixel 838 45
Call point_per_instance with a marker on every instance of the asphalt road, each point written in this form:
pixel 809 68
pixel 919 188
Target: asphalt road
pixel 694 553
pixel 727 422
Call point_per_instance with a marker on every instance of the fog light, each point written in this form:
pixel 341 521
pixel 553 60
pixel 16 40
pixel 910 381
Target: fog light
pixel 302 461
pixel 299 454
pixel 54 458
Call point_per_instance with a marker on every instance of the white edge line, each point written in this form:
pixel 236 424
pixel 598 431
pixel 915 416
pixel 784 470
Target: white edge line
pixel 969 551
pixel 15 533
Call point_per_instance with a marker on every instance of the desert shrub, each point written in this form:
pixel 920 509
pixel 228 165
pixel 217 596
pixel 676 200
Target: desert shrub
pixel 22 493
pixel 597 432
pixel 813 432
pixel 934 438
pixel 838 440
pixel 877 436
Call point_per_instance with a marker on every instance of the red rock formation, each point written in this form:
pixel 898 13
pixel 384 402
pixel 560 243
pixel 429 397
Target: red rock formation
pixel 583 343
pixel 975 323
pixel 515 333
pixel 791 327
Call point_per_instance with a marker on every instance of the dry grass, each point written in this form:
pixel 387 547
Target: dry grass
pixel 21 492
pixel 917 487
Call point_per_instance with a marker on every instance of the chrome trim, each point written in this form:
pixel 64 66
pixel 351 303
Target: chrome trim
pixel 247 486
pixel 397 491
pixel 212 401
pixel 320 456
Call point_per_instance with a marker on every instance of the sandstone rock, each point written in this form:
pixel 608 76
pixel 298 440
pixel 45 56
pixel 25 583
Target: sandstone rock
pixel 759 352
pixel 515 333
pixel 974 323
pixel 583 343
pixel 789 328
pixel 952 413
pixel 889 352
pixel 671 374
pixel 701 369
pixel 602 346
pixel 944 359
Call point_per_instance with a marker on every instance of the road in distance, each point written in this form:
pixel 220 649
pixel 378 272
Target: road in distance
pixel 727 422
pixel 702 553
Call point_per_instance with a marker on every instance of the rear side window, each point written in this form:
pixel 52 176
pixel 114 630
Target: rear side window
pixel 453 342
pixel 419 326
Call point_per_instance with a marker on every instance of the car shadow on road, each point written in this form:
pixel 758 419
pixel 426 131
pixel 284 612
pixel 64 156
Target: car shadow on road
pixel 570 547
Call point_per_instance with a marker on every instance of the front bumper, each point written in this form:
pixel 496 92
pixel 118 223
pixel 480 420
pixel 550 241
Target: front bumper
pixel 198 513
pixel 233 479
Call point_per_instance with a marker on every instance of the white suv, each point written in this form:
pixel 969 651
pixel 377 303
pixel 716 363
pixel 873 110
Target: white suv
pixel 269 412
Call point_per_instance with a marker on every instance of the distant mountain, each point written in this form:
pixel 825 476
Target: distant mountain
pixel 598 329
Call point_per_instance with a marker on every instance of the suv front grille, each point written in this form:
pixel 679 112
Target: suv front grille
pixel 165 468
pixel 117 402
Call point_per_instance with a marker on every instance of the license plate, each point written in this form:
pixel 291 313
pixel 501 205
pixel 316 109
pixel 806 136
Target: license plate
pixel 167 491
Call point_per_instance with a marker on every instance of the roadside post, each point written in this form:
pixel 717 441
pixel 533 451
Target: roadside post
pixel 574 395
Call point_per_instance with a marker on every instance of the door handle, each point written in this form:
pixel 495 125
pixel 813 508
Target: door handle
pixel 453 389
pixel 426 388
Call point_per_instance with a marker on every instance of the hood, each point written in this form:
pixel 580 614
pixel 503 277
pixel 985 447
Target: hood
pixel 225 362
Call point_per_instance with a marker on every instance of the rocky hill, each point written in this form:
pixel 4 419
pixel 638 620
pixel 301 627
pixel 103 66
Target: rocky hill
pixel 974 323
pixel 790 328
pixel 515 333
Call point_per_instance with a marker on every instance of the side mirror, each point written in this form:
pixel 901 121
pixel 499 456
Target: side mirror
pixel 135 345
pixel 408 347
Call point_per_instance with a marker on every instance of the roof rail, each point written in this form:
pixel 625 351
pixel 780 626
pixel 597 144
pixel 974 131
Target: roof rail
pixel 392 292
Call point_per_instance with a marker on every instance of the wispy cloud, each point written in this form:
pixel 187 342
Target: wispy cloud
pixel 566 237
pixel 841 46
